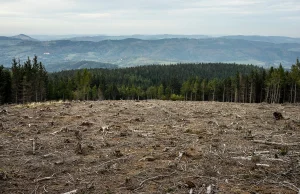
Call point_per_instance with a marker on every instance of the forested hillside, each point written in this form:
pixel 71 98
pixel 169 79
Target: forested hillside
pixel 24 83
pixel 206 82
pixel 214 81
pixel 79 65
pixel 144 82
pixel 62 54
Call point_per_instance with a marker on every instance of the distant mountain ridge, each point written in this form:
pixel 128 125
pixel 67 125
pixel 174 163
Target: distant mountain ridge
pixel 137 36
pixel 18 37
pixel 272 39
pixel 23 37
pixel 65 54
pixel 97 38
pixel 69 65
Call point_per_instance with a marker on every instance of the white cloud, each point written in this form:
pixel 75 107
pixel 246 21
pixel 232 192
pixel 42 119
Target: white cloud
pixel 94 15
pixel 155 16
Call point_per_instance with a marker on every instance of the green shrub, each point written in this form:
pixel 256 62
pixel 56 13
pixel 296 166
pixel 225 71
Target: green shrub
pixel 175 97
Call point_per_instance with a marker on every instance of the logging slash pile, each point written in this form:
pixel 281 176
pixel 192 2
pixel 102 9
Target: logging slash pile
pixel 150 147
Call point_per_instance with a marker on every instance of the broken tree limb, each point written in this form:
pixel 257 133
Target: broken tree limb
pixel 33 145
pixel 71 192
pixel 44 187
pixel 261 152
pixel 63 129
pixel 294 186
pixel 275 143
pixel 264 165
pixel 250 158
pixel 275 159
pixel 290 186
pixel 48 155
pixel 43 179
pixel 242 158
pixel 113 160
pixel 156 177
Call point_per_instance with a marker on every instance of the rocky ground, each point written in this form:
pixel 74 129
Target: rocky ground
pixel 149 147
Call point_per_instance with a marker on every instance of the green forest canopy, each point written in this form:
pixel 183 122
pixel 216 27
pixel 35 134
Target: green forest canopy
pixel 29 82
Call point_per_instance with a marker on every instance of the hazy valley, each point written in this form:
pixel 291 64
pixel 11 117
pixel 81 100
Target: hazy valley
pixel 124 51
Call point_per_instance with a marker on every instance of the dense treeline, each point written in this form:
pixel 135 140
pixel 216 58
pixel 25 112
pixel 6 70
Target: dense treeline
pixel 24 83
pixel 212 81
pixel 205 82
pixel 5 85
pixel 143 82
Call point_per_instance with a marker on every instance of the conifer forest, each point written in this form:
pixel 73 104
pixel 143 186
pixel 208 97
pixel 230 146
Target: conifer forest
pixel 30 82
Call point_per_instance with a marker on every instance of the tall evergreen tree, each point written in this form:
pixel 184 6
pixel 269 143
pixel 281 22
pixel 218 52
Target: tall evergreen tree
pixel 5 86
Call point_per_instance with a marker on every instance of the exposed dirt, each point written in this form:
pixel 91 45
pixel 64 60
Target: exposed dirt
pixel 149 147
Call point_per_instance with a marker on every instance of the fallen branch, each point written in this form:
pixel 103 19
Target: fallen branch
pixel 55 132
pixel 200 177
pixel 295 187
pixel 250 158
pixel 155 178
pixel 71 192
pixel 113 160
pixel 275 143
pixel 33 145
pixel 48 155
pixel 264 165
pixel 44 178
pixel 261 152
pixel 64 129
pixel 242 158
pixel 275 159
pixel 45 189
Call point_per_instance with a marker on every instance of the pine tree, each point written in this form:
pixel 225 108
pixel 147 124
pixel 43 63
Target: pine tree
pixel 29 81
pixel 195 89
pixel 5 86
pixel 212 85
pixel 185 89
pixel 160 91
pixel 295 76
pixel 203 88
pixel 16 79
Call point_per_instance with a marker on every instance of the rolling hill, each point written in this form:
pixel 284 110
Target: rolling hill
pixel 272 39
pixel 62 54
pixel 136 36
pixel 24 37
pixel 80 65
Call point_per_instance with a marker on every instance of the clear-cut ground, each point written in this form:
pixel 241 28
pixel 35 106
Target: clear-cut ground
pixel 149 147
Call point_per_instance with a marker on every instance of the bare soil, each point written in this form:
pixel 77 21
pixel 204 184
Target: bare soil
pixel 149 147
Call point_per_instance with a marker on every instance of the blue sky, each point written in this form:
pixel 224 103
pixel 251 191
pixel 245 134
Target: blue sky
pixel 125 17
